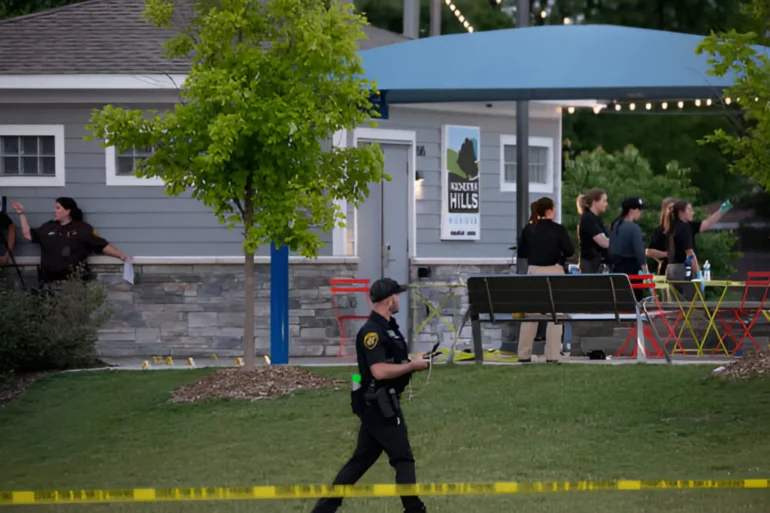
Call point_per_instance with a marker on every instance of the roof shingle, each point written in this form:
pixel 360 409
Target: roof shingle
pixel 102 37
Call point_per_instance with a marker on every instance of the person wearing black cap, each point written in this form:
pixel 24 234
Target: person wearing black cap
pixel 627 254
pixel 385 368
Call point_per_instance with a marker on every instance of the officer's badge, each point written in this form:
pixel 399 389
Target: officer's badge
pixel 370 340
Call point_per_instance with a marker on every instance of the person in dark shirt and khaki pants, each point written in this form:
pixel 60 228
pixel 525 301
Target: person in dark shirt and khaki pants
pixel 549 247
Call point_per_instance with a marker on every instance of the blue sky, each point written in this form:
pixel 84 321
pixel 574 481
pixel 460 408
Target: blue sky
pixel 456 136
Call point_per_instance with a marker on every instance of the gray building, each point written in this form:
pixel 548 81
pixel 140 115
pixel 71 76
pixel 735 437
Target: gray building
pixel 57 66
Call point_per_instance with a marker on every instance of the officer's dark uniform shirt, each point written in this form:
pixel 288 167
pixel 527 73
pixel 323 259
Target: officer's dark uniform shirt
pixel 380 341
pixel 63 247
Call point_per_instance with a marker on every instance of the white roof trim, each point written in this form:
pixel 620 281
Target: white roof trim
pixel 44 82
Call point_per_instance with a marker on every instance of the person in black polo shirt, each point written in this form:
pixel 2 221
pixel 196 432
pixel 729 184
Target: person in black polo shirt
pixel 592 234
pixel 9 231
pixel 549 247
pixel 680 230
pixel 65 242
pixel 658 240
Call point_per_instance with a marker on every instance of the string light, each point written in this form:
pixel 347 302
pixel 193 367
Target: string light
pixel 647 106
pixel 459 15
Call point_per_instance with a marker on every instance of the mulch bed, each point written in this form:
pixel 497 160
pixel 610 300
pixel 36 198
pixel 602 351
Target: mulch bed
pixel 252 385
pixel 751 364
pixel 11 387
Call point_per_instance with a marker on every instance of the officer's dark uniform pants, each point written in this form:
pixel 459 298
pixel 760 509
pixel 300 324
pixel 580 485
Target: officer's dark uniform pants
pixel 375 436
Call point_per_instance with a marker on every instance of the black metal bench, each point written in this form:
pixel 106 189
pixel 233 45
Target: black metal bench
pixel 558 298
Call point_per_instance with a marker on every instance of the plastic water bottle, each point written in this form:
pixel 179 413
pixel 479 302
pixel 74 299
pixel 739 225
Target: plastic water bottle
pixel 688 268
pixel 707 271
pixel 356 382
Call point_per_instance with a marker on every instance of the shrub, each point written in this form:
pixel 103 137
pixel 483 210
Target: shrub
pixel 51 331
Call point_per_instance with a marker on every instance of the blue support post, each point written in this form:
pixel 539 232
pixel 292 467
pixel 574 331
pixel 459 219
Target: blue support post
pixel 279 305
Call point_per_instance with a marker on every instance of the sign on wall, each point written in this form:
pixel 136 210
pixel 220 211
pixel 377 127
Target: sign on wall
pixel 460 217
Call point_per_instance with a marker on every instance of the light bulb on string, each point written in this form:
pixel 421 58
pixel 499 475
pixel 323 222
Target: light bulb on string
pixel 648 106
pixel 728 101
pixel 632 106
pixel 664 105
pixel 697 103
pixel 708 102
pixel 680 105
pixel 756 99
pixel 466 24
pixel 597 109
pixel 543 14
pixel 618 107
pixel 571 110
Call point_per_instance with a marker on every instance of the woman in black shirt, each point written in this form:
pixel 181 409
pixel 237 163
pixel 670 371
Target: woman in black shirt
pixel 658 240
pixel 549 246
pixel 592 234
pixel 65 242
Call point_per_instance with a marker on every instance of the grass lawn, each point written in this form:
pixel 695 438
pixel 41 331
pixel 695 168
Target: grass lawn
pixel 569 422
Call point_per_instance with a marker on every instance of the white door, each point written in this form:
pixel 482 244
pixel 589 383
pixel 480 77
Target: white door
pixel 383 227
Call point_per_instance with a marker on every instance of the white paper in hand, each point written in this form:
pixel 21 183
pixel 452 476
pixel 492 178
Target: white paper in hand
pixel 128 271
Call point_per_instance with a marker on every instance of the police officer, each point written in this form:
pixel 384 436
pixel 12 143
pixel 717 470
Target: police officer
pixel 385 368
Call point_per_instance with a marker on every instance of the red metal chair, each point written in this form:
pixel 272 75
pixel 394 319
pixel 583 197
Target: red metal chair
pixel 346 286
pixel 642 282
pixel 753 309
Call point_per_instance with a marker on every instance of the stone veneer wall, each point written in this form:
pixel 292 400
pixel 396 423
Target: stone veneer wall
pixel 197 310
pixel 436 330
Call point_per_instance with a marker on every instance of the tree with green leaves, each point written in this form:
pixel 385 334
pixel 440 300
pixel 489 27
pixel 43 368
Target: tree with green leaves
pixel 742 54
pixel 271 80
pixel 627 173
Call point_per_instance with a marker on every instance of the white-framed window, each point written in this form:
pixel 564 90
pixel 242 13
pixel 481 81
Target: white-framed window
pixel 541 160
pixel 32 156
pixel 120 167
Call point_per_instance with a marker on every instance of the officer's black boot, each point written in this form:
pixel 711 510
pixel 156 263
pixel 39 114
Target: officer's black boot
pixel 418 509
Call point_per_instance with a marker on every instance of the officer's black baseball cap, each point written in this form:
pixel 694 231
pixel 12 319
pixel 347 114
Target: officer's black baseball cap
pixel 632 203
pixel 383 288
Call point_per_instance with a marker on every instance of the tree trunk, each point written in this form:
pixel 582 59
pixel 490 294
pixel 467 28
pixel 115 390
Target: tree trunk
pixel 248 290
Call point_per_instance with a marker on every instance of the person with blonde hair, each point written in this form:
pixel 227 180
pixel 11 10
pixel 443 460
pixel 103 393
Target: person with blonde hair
pixel 658 249
pixel 593 237
pixel 549 247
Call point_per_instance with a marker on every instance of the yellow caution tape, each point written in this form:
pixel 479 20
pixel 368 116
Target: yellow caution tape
pixel 15 498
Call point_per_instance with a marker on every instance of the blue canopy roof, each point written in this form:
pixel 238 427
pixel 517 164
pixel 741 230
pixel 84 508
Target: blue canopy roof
pixel 556 62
